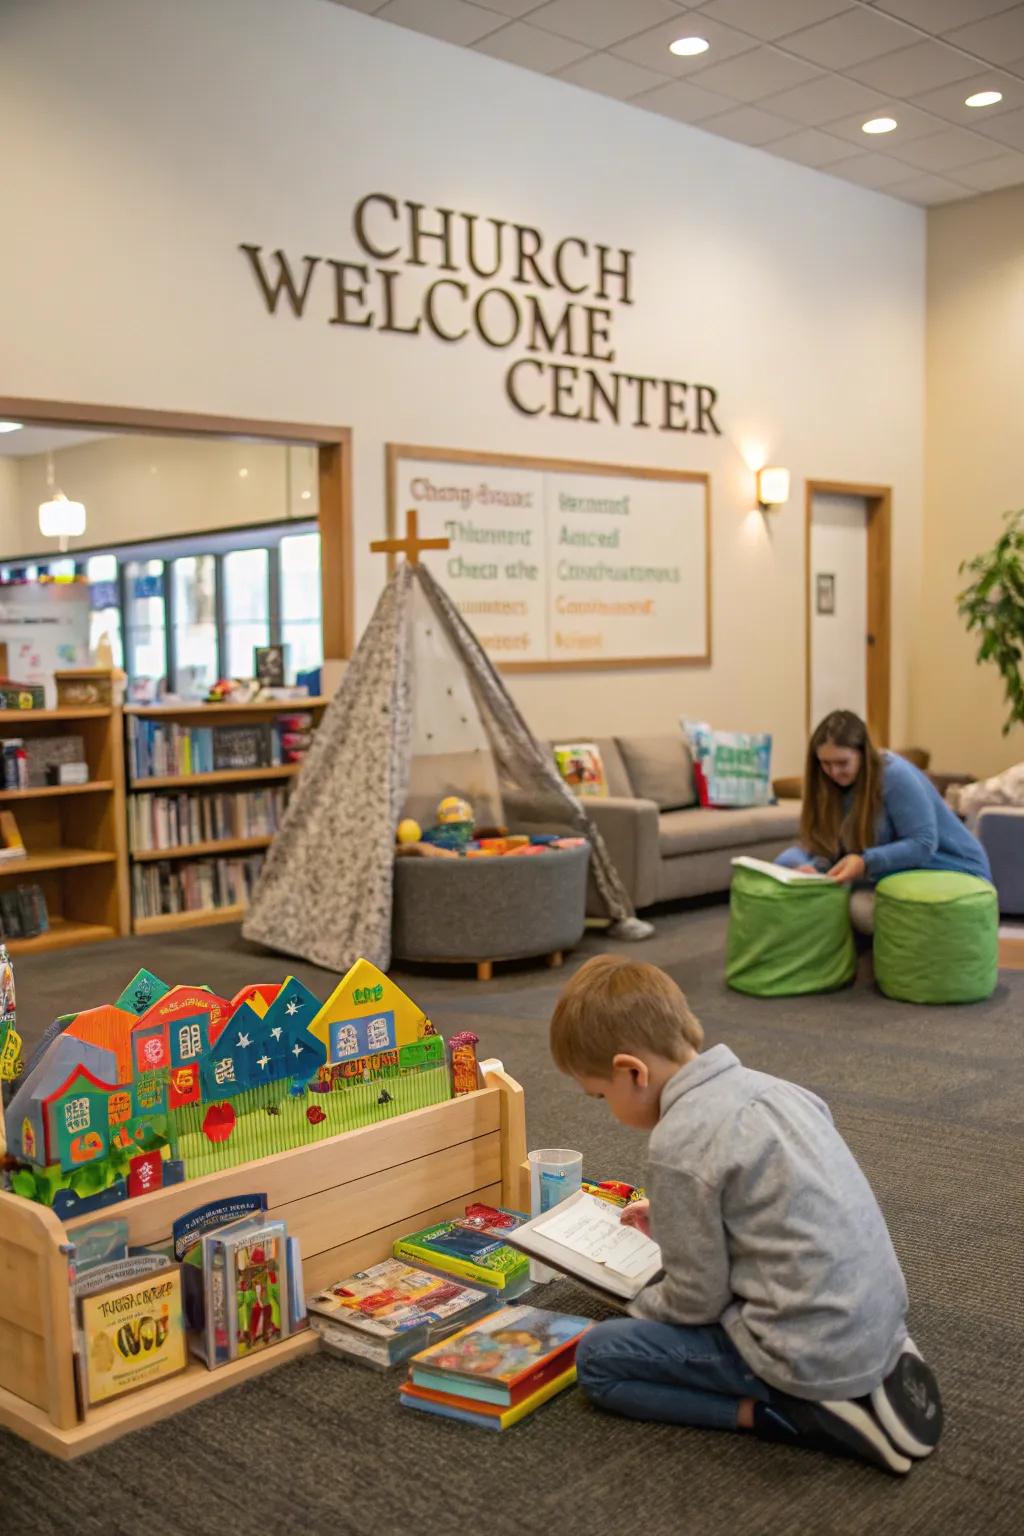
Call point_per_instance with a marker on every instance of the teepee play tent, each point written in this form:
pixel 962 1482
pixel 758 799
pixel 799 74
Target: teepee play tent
pixel 421 712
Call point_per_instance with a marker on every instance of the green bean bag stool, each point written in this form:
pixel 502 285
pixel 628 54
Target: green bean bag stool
pixel 936 937
pixel 785 940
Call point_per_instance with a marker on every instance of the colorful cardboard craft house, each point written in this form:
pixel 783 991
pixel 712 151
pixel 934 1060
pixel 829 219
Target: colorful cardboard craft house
pixel 192 1083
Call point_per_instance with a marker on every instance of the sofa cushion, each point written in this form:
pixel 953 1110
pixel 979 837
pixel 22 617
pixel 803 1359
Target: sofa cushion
pixel 614 768
pixel 699 831
pixel 660 768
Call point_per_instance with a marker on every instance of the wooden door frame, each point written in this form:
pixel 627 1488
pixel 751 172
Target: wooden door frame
pixel 878 641
pixel 334 447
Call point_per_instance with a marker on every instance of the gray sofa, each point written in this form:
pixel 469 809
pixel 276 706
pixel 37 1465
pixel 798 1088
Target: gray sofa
pixel 662 842
pixel 1000 829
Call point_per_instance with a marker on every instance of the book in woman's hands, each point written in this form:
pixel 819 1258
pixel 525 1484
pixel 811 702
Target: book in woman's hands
pixel 585 1238
pixel 780 872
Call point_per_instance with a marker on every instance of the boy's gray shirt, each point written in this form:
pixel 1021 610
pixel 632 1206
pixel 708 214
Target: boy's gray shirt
pixel 768 1226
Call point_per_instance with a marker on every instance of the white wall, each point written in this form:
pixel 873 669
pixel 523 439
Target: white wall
pixel 186 129
pixel 140 487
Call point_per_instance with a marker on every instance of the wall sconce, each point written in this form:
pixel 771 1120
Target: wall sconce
pixel 772 488
pixel 60 518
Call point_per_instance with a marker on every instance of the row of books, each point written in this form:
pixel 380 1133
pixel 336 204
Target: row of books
pixel 202 885
pixel 172 821
pixel 165 748
pixel 13 764
pixel 23 913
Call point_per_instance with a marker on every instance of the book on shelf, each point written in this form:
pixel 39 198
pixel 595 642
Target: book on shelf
pixel 473 1248
pixel 245 1287
pixel 12 847
pixel 584 1237
pixel 384 1314
pixel 23 913
pixel 499 1368
pixel 177 820
pixel 15 763
pixel 171 749
pixel 131 1334
pixel 206 884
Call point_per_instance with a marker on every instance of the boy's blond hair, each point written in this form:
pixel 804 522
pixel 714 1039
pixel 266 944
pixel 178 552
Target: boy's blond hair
pixel 612 1005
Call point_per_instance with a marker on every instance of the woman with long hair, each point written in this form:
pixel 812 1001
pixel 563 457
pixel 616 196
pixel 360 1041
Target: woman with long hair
pixel 868 813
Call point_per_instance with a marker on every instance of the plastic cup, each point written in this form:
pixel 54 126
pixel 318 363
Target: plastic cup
pixel 555 1174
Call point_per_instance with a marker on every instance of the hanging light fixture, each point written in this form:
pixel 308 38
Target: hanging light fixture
pixel 60 518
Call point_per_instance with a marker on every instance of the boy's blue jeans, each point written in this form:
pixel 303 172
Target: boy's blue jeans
pixel 666 1371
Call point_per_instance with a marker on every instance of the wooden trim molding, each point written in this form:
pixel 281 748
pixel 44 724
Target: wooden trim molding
pixel 334 475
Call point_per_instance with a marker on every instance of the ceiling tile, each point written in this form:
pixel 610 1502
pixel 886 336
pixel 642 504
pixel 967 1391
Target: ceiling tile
pixel 454 21
pixel 923 67
pixel 749 125
pixel 651 48
pixel 940 15
pixel 602 22
pixel 870 170
pixel 684 101
pixel 367 6
pixel 1008 129
pixel 927 190
pixel 513 8
pixel 519 43
pixel 822 100
pixel 913 124
pixel 948 101
pixel 610 76
pixel 771 18
pixel 812 147
pixel 1004 171
pixel 850 38
pixel 998 39
pixel 759 73
pixel 946 151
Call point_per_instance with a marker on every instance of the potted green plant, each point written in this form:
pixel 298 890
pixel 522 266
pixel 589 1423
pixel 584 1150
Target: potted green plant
pixel 993 608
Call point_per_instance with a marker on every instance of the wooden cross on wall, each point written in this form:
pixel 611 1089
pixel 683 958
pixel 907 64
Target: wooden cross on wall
pixel 410 546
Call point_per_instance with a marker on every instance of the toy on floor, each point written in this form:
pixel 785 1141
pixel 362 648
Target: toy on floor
pixel 172 1082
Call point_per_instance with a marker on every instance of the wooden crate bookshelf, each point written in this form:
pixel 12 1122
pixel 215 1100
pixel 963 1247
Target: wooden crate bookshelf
pixel 346 1199
pixel 74 834
pixel 227 779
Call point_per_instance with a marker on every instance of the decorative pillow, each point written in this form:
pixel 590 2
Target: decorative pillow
pixel 732 768
pixel 579 763
pixel 660 768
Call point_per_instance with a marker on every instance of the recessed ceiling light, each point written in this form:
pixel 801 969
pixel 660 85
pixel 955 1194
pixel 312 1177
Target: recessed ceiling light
pixel 306 495
pixel 685 47
pixel 243 474
pixel 983 99
pixel 880 125
pixel 10 426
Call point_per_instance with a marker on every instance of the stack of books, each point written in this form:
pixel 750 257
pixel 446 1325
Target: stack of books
pixel 499 1369
pixel 473 1248
pixel 381 1316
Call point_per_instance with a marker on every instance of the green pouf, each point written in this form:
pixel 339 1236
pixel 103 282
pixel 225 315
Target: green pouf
pixel 936 937
pixel 785 940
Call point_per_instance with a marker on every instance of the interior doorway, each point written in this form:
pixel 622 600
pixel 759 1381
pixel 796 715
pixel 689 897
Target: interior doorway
pixel 847 598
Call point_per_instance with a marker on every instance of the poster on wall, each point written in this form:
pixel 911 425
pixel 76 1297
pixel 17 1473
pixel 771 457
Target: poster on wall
pixel 45 627
pixel 559 564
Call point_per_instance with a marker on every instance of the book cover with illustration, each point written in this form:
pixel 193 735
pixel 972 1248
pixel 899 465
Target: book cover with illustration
pixel 582 767
pixel 132 1334
pixel 387 1313
pixel 474 1247
pixel 510 1347
pixel 484 1415
pixel 245 1283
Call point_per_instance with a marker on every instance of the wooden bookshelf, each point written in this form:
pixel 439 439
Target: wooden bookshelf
pixel 230 779
pixel 74 834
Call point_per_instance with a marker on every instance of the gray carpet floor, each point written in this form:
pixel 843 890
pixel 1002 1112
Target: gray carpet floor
pixel 932 1103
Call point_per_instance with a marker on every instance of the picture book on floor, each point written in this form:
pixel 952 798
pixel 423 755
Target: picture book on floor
pixel 780 872
pixel 473 1247
pixel 584 1238
pixel 385 1314
pixel 497 1370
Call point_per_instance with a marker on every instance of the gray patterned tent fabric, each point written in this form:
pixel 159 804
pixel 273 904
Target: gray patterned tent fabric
pixel 325 891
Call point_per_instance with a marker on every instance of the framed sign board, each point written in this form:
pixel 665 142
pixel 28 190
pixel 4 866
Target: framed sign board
pixel 558 564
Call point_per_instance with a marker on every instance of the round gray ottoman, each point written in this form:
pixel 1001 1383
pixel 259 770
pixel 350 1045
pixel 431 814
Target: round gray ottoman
pixel 481 910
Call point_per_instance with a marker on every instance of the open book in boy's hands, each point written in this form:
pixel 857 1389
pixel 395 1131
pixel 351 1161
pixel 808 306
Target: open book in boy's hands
pixel 781 872
pixel 585 1238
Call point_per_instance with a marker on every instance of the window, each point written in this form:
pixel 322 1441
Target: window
pixel 246 607
pixel 104 604
pixel 146 627
pixel 300 601
pixel 194 606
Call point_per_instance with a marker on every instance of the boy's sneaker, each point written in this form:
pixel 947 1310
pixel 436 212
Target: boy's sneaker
pixel 847 1428
pixel 908 1405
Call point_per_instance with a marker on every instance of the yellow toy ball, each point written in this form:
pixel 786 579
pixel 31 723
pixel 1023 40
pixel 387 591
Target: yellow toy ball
pixel 454 808
pixel 409 831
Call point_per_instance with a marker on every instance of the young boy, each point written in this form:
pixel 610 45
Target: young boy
pixel 782 1306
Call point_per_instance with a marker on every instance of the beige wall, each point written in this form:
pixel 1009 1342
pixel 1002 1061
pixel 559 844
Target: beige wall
pixel 138 487
pixel 974 469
